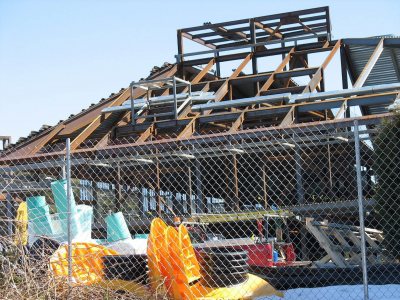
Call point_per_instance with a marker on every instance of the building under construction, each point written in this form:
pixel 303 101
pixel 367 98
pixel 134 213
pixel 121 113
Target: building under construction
pixel 194 139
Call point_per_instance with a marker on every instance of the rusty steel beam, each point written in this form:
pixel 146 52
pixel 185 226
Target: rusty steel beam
pixel 146 134
pixel 280 68
pixel 272 32
pixel 369 65
pixel 239 121
pixel 311 86
pixel 103 140
pixel 198 40
pixel 150 131
pixel 290 117
pixel 47 138
pixel 229 35
pixel 190 128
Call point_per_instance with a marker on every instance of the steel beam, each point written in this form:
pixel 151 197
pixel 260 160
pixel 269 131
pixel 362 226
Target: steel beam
pixel 369 65
pixel 47 138
pixel 311 86
pixel 219 95
pixel 98 120
pixel 198 40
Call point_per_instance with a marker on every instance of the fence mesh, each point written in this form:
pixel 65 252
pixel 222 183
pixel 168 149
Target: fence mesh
pixel 257 213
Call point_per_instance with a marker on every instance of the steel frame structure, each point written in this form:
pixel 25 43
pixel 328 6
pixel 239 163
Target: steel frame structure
pixel 293 37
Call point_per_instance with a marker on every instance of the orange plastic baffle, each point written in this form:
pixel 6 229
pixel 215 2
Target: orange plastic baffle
pixel 172 261
pixel 179 273
pixel 157 255
pixel 188 255
pixel 87 266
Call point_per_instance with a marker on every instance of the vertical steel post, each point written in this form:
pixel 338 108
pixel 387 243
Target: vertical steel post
pixel 190 192
pixel 175 100
pixel 9 214
pixel 299 175
pixel 69 189
pixel 133 121
pixel 199 188
pixel 63 171
pixel 217 65
pixel 361 209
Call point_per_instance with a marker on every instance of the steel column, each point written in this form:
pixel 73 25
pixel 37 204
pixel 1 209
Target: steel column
pixel 361 209
pixel 69 190
pixel 299 175
pixel 199 188
pixel 10 214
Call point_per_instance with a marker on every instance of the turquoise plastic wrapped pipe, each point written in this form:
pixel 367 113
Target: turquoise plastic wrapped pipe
pixel 39 216
pixel 117 229
pixel 59 189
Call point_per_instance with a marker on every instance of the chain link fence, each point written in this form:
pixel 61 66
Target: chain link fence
pixel 307 211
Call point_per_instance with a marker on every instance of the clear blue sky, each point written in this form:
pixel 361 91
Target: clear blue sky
pixel 58 57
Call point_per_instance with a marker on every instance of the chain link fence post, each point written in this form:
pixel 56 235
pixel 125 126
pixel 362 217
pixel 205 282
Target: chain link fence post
pixel 69 190
pixel 361 209
pixel 10 211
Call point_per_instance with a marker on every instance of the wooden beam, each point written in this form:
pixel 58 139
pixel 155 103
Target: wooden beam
pixel 223 90
pixel 370 64
pixel 368 67
pixel 325 243
pixel 47 138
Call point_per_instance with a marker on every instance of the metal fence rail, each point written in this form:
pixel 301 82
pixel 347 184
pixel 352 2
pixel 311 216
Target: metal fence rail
pixel 254 213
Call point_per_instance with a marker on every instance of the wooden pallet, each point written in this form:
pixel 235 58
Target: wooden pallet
pixel 342 243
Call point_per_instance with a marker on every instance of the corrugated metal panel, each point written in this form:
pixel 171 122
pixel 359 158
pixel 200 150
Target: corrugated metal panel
pixel 385 71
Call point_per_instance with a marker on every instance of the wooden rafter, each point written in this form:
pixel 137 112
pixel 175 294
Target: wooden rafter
pixel 237 123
